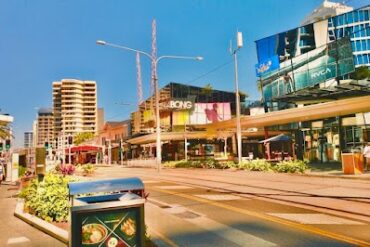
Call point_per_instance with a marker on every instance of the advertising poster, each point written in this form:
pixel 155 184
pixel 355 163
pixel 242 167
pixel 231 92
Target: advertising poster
pixel 205 113
pixel 111 229
pixel 307 70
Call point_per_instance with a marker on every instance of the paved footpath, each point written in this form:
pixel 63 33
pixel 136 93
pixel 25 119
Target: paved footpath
pixel 13 231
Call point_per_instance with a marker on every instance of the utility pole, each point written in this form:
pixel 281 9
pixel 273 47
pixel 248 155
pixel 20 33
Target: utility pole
pixel 239 41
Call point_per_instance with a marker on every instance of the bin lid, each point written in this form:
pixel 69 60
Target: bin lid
pixel 108 185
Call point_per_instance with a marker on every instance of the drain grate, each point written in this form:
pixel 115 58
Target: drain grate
pixel 187 215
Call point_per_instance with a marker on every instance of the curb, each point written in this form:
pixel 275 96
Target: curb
pixel 50 229
pixel 336 176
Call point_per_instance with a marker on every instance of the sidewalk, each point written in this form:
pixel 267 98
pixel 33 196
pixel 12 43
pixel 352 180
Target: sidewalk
pixel 333 169
pixel 15 232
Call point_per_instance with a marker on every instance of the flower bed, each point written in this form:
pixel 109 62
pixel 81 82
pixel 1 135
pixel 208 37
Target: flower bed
pixel 292 166
pixel 48 199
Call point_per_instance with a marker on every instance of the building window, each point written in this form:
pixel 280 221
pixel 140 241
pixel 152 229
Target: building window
pixel 355 16
pixel 366 58
pixel 358 46
pixel 363 44
pixel 350 17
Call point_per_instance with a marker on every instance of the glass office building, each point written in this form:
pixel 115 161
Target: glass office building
pixel 312 64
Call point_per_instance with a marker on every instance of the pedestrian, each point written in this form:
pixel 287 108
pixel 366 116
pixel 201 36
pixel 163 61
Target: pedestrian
pixel 366 154
pixel 2 172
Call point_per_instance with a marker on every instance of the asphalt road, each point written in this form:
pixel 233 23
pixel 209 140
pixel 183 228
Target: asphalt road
pixel 180 214
pixel 216 208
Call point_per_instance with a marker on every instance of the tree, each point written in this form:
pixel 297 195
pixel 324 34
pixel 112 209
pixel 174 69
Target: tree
pixel 361 73
pixel 207 91
pixel 243 95
pixel 4 130
pixel 82 137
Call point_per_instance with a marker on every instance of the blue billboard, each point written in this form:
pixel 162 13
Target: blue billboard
pixel 268 65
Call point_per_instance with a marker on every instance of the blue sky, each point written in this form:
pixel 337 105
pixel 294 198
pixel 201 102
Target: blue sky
pixel 42 41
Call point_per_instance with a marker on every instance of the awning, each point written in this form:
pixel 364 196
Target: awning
pixel 84 148
pixel 278 138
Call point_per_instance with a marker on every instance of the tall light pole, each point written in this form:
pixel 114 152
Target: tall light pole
pixel 239 44
pixel 155 61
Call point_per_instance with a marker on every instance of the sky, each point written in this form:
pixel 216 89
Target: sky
pixel 42 41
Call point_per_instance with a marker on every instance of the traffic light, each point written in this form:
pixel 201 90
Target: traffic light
pixel 46 145
pixel 7 145
pixel 70 140
pixel 56 142
pixel 1 146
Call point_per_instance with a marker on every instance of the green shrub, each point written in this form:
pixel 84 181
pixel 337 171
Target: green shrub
pixel 256 165
pixel 21 170
pixel 227 164
pixel 88 168
pixel 291 166
pixel 48 199
pixel 188 164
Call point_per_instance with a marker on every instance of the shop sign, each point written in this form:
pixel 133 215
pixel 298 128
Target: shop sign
pixel 180 104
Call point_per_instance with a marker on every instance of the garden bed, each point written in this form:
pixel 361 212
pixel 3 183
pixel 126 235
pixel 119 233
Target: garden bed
pixel 291 166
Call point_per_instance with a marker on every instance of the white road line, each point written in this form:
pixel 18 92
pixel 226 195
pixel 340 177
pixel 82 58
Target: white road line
pixel 316 219
pixel 220 197
pixel 18 240
pixel 231 234
pixel 174 187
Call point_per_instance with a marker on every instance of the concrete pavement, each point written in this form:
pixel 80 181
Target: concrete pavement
pixel 13 231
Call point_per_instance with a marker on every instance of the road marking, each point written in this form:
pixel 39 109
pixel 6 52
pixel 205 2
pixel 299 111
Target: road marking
pixel 317 219
pixel 151 182
pixel 17 240
pixel 231 234
pixel 306 228
pixel 173 187
pixel 226 232
pixel 220 197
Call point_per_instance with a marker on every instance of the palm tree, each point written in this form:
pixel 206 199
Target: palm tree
pixel 4 130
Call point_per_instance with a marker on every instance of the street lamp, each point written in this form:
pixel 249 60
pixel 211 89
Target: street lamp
pixel 155 61
pixel 239 44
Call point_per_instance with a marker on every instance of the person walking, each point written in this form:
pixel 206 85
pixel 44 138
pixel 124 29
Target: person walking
pixel 2 172
pixel 366 154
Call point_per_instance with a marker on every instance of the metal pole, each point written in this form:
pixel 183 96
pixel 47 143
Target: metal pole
pixel 157 120
pixel 70 156
pixel 238 127
pixel 121 150
pixel 186 145
pixel 109 153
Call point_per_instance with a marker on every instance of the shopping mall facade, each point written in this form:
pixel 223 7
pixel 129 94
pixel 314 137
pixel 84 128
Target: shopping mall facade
pixel 183 110
pixel 307 94
pixel 312 64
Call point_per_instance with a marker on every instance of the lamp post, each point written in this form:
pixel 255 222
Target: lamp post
pixel 155 61
pixel 239 44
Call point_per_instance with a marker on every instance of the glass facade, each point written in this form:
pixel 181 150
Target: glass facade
pixel 304 53
pixel 356 25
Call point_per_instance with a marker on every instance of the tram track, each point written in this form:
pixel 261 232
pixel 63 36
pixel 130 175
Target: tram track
pixel 269 196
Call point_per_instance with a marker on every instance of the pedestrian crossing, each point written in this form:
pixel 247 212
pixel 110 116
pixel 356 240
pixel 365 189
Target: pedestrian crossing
pixel 202 216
